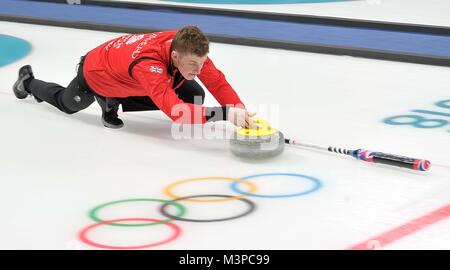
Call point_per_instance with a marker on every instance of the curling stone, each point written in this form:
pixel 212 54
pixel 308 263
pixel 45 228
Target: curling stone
pixel 261 143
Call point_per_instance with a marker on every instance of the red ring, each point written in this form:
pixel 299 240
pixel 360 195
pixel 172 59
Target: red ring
pixel 83 233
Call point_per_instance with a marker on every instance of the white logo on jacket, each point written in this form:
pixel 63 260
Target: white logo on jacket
pixel 133 39
pixel 143 43
pixel 156 69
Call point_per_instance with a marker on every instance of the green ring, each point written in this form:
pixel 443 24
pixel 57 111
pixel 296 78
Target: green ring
pixel 94 217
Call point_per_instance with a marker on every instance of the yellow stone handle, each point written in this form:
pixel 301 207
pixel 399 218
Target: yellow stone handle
pixel 263 129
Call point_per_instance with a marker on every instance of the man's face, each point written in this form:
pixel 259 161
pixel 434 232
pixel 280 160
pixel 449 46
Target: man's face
pixel 189 65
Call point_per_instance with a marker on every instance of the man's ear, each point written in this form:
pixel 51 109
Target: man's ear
pixel 175 55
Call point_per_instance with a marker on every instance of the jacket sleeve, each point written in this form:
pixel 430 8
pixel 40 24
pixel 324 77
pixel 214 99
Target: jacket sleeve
pixel 153 77
pixel 218 86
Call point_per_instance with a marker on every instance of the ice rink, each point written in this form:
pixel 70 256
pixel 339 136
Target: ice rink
pixel 56 168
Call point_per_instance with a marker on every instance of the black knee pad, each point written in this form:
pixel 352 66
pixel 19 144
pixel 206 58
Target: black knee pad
pixel 74 99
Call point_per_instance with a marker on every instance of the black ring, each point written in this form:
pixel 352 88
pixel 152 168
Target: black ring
pixel 251 208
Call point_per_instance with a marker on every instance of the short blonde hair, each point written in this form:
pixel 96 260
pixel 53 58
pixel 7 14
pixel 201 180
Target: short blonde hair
pixel 191 40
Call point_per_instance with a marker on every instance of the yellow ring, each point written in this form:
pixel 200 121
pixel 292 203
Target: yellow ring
pixel 263 129
pixel 168 189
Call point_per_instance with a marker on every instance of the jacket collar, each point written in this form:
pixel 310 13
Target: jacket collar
pixel 178 79
pixel 168 55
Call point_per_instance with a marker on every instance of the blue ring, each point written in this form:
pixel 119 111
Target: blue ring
pixel 13 49
pixel 317 185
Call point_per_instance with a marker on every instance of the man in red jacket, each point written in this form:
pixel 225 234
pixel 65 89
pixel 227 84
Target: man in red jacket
pixel 153 71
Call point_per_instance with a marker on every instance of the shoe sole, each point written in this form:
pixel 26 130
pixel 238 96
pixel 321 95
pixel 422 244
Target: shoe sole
pixel 108 125
pixel 19 93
